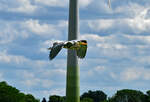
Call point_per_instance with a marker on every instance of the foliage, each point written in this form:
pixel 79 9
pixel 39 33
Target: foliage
pixel 44 100
pixel 127 95
pixel 56 98
pixel 148 92
pixel 148 95
pixel 87 100
pixel 97 96
pixel 11 94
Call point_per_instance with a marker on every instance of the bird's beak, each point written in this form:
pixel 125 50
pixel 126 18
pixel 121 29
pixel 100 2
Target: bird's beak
pixel 82 43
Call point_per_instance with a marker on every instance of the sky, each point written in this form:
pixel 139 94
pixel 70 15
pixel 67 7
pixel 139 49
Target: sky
pixel 118 45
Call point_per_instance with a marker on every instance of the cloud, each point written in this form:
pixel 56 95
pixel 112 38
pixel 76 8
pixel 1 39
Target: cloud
pixel 62 3
pixel 9 59
pixel 58 91
pixel 97 69
pixel 132 74
pixel 30 80
pixel 10 31
pixel 139 39
pixel 25 6
pixel 136 25
pixel 40 29
pixel 44 29
pixel 100 24
pixel 33 74
pixel 85 3
pixel 132 9
pixel 99 7
pixel 118 45
pixel 106 45
pixel 22 6
pixel 53 3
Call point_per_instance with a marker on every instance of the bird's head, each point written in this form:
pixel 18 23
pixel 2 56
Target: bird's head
pixel 83 42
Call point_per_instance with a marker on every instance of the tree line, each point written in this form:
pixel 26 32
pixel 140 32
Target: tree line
pixel 11 94
pixel 125 95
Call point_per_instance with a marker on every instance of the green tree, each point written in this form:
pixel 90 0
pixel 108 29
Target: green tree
pixel 148 95
pixel 127 95
pixel 30 98
pixel 97 96
pixel 44 100
pixel 148 92
pixel 56 98
pixel 87 100
pixel 11 94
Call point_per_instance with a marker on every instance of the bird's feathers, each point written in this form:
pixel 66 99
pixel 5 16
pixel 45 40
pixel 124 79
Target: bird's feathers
pixel 55 50
pixel 81 52
pixel 79 45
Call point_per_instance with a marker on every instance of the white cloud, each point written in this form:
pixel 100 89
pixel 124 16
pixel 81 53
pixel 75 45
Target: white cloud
pixel 31 79
pixel 106 45
pixel 84 3
pixel 44 29
pixel 30 82
pixel 47 83
pixel 13 30
pixel 5 58
pixel 100 6
pixel 117 45
pixel 132 74
pixel 10 31
pixel 40 29
pixel 21 61
pixel 34 82
pixel 35 72
pixel 58 91
pixel 54 72
pixel 97 69
pixel 62 3
pixel 23 6
pixel 113 75
pixel 53 3
pixel 110 46
pixel 131 10
pixel 140 38
pixel 137 24
pixel 117 54
pixel 95 37
pixel 101 24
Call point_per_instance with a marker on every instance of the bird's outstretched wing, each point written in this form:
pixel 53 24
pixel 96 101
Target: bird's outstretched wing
pixel 55 50
pixel 81 52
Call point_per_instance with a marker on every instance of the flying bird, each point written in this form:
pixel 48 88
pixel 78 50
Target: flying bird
pixel 80 46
